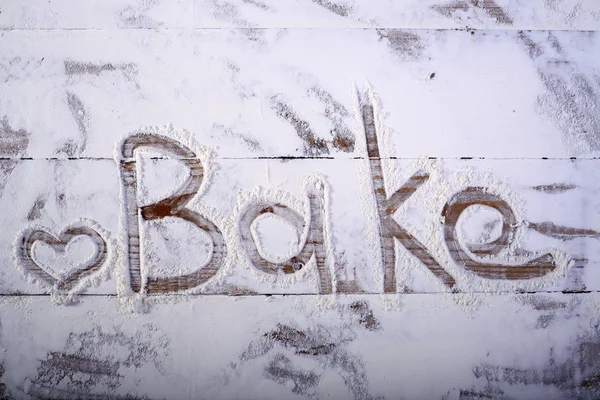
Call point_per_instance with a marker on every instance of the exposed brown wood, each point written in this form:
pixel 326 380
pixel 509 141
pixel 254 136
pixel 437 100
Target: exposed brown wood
pixel 75 363
pixel 493 10
pixel 313 145
pixel 12 142
pixel 2 384
pixel 386 207
pixel 365 314
pixel 555 188
pixel 59 244
pixel 314 245
pixel 577 377
pixel 490 7
pixel 452 211
pixel 339 9
pixel 348 286
pixel 37 208
pixel 173 206
pixel 562 232
pixel 74 68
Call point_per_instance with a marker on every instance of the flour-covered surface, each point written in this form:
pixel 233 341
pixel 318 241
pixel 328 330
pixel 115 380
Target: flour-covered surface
pixel 260 199
pixel 479 14
pixel 152 14
pixel 362 347
pixel 554 204
pixel 293 92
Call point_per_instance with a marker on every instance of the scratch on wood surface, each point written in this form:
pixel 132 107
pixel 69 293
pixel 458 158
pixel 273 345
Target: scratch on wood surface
pixel 366 318
pixel 13 143
pixel 313 146
pixel 577 377
pixel 563 232
pixel 340 9
pixel 89 364
pixel 408 45
pixel 449 9
pixel 324 345
pixel 250 142
pixel 258 4
pixel 555 188
pixel 343 138
pixel 38 206
pixel 578 120
pixel 3 393
pixel 490 7
pixel 493 10
pixel 81 117
pixel 73 68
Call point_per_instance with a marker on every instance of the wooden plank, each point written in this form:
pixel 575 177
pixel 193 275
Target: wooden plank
pixel 415 14
pixel 296 199
pixel 61 100
pixel 68 14
pixel 54 194
pixel 305 347
pixel 240 226
pixel 428 14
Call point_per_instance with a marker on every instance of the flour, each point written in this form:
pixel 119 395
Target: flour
pixel 424 206
pixel 285 240
pixel 431 198
pixel 468 177
pixel 51 280
pixel 448 83
pixel 319 182
pixel 206 156
pixel 268 195
pixel 391 303
pixel 228 222
pixel 371 242
pixel 579 121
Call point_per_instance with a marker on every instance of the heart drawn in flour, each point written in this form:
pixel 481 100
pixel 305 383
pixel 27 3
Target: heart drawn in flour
pixel 62 280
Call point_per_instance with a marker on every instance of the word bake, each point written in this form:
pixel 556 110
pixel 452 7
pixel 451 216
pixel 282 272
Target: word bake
pixel 315 251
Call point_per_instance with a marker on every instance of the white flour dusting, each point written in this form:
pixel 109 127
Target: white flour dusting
pixel 430 198
pixel 262 194
pixel 58 295
pixel 371 242
pixel 131 300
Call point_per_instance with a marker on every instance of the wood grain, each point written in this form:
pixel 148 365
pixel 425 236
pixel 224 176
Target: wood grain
pixel 388 205
pixel 59 244
pixel 529 77
pixel 117 355
pixel 61 193
pixel 173 206
pixel 245 14
pixel 363 199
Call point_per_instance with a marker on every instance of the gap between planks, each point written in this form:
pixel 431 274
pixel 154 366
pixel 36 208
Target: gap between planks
pixel 369 294
pixel 286 158
pixel 339 28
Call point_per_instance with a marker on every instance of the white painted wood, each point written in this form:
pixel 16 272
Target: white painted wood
pixel 69 14
pixel 265 92
pixel 482 14
pixel 244 199
pixel 461 14
pixel 410 346
pixel 555 203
